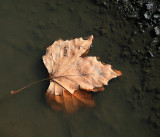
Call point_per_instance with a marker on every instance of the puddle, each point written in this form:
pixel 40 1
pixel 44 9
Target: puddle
pixel 26 29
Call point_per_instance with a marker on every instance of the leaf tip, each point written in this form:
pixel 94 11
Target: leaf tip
pixel 91 37
pixel 118 72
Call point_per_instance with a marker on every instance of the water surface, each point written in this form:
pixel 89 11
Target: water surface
pixel 27 27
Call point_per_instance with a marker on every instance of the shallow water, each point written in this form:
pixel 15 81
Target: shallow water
pixel 26 29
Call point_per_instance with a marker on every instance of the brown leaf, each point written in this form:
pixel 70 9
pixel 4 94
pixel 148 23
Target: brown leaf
pixel 70 70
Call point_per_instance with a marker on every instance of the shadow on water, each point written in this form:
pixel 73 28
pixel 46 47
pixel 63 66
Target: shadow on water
pixel 42 73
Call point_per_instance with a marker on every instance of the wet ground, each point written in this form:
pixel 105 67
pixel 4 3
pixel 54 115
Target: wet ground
pixel 130 104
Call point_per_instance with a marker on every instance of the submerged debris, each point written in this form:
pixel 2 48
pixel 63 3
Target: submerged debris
pixel 150 53
pixel 157 30
pixel 156 16
pixel 145 15
pixel 149 6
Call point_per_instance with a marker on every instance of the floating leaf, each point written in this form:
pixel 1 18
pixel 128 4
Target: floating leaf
pixel 71 70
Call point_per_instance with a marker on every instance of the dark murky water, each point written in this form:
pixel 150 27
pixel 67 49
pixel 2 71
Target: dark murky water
pixel 26 28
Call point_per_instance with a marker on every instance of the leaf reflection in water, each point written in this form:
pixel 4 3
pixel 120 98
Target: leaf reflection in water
pixel 70 103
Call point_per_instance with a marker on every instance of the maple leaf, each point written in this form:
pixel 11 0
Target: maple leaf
pixel 71 70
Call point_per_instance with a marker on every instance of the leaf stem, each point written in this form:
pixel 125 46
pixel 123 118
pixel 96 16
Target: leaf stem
pixel 14 92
